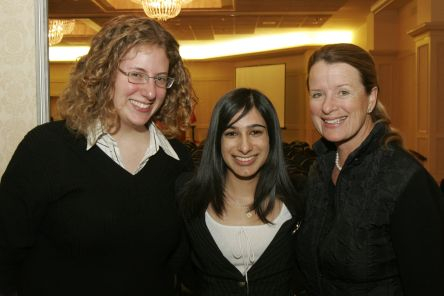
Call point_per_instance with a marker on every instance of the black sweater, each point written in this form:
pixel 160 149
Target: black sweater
pixel 73 222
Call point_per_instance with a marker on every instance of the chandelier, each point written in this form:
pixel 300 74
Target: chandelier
pixel 162 9
pixel 57 28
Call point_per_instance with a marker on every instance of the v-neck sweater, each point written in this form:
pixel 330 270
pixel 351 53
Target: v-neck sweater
pixel 73 222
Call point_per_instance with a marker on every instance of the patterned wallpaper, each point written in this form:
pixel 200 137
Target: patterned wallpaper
pixel 18 109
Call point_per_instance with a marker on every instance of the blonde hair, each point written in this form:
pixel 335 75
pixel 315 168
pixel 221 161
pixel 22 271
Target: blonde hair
pixel 89 95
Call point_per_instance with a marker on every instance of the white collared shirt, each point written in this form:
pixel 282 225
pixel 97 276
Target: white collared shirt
pixel 107 144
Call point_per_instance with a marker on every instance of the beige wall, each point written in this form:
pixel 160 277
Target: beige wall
pixel 408 45
pixel 18 108
pixel 213 79
pixel 398 54
pixel 413 100
pixel 210 81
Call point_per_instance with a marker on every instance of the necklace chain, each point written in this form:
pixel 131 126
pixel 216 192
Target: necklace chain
pixel 338 166
pixel 238 205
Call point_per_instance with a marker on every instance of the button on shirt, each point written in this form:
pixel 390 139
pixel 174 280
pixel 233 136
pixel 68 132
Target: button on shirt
pixel 107 144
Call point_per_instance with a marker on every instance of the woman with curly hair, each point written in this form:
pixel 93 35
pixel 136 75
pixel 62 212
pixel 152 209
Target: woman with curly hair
pixel 87 204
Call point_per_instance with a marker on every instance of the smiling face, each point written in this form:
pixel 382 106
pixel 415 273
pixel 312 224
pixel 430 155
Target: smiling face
pixel 245 146
pixel 137 103
pixel 339 104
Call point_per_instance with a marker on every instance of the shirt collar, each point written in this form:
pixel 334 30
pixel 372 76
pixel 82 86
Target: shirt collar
pixel 94 133
pixel 157 140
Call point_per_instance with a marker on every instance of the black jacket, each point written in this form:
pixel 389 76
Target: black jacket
pixel 379 231
pixel 272 275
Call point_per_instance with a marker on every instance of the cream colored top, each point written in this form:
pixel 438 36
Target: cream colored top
pixel 243 245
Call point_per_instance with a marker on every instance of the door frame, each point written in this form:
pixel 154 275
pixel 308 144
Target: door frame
pixel 42 61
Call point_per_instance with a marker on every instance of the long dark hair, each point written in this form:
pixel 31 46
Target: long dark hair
pixel 207 185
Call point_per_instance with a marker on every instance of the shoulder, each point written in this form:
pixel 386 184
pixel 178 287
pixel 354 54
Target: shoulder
pixel 398 159
pixel 40 148
pixel 53 135
pixel 48 130
pixel 44 128
pixel 178 146
pixel 182 181
pixel 181 150
pixel 47 143
pixel 184 197
pixel 402 171
pixel 42 134
pixel 421 198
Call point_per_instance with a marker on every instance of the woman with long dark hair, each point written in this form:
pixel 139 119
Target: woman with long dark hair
pixel 240 208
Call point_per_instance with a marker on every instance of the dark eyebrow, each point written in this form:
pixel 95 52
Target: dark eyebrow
pixel 257 125
pixel 254 125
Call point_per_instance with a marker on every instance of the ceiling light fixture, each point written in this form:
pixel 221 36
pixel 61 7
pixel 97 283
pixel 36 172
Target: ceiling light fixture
pixel 57 28
pixel 162 10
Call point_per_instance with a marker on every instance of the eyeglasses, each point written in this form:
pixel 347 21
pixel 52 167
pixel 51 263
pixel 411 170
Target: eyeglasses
pixel 160 80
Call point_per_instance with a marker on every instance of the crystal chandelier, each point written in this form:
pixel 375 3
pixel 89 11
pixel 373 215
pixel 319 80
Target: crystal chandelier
pixel 57 28
pixel 162 9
